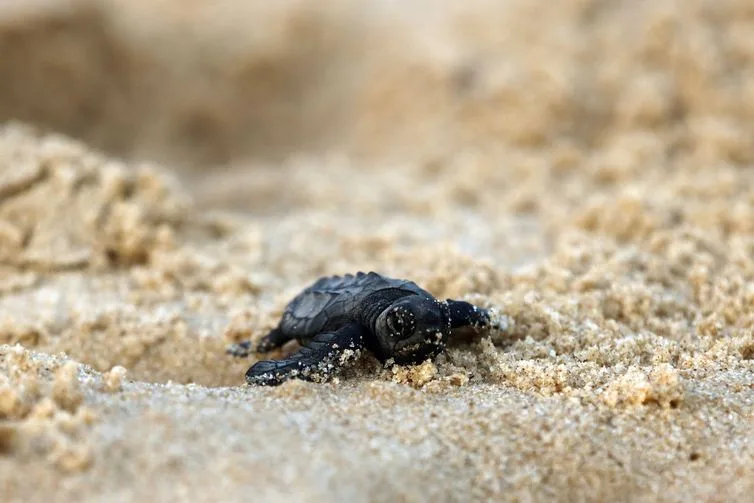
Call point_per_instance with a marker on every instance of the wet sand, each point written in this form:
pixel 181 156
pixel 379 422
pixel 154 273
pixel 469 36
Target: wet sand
pixel 584 171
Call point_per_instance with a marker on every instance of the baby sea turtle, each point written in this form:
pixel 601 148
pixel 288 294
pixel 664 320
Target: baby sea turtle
pixel 338 316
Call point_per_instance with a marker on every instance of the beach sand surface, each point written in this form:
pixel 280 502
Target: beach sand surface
pixel 172 174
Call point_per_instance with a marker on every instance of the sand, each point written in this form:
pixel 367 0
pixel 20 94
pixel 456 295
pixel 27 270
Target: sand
pixel 172 174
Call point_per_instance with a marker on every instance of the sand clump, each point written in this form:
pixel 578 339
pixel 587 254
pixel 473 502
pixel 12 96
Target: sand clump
pixel 415 375
pixel 42 410
pixel 661 386
pixel 114 378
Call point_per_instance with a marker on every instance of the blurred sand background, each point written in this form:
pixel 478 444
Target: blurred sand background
pixel 172 172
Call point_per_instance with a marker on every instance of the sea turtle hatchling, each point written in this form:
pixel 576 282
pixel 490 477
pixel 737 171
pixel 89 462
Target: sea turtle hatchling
pixel 338 316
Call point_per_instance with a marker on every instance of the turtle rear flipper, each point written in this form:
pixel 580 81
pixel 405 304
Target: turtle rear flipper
pixel 317 360
pixel 273 340
pixel 239 349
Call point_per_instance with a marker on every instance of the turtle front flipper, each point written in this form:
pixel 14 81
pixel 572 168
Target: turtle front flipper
pixel 463 314
pixel 317 360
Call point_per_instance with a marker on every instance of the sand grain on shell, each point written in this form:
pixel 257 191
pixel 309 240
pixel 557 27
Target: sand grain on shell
pixel 604 209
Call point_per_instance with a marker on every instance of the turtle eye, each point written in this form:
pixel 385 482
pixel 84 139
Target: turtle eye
pixel 400 322
pixel 394 323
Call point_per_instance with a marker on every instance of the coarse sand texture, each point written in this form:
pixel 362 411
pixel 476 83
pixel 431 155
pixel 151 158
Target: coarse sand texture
pixel 172 174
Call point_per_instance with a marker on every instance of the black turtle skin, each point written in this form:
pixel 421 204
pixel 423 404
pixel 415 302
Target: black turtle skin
pixel 337 317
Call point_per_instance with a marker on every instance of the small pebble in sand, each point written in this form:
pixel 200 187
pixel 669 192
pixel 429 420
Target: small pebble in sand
pixel 65 389
pixel 114 378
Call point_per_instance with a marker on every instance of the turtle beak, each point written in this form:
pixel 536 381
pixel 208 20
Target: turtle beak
pixel 419 340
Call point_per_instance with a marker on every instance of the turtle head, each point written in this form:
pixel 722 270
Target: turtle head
pixel 412 329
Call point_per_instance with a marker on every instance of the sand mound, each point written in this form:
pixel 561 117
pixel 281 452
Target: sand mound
pixel 63 206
